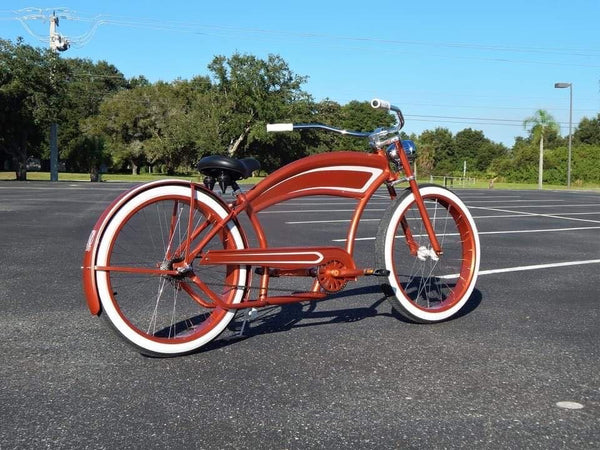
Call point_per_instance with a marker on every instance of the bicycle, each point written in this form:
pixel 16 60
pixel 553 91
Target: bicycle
pixel 169 264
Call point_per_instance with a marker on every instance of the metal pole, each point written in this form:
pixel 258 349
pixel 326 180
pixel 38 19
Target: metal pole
pixel 570 134
pixel 53 125
pixel 53 152
pixel 570 86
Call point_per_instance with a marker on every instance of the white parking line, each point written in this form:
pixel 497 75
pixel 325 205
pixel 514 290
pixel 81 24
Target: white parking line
pixel 324 203
pixel 482 233
pixel 462 196
pixel 543 230
pixel 294 211
pixel 533 267
pixel 511 201
pixel 306 222
pixel 497 216
pixel 467 196
pixel 577 205
pixel 350 201
pixel 551 216
pixel 318 211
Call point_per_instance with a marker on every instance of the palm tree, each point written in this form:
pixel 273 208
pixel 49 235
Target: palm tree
pixel 541 124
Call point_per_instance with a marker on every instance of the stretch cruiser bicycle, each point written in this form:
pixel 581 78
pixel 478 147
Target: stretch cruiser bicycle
pixel 169 264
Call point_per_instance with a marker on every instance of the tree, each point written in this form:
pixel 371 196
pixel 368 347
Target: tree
pixel 168 123
pixel 32 85
pixel 588 131
pixel 541 124
pixel 91 155
pixel 468 145
pixel 472 146
pixel 437 151
pixel 360 116
pixel 179 118
pixel 488 153
pixel 88 85
pixel 124 120
pixel 253 92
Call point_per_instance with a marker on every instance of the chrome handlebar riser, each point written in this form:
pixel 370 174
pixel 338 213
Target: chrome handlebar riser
pixel 384 104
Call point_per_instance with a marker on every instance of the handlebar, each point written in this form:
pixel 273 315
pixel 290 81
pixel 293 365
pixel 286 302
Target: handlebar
pixel 276 127
pixel 376 103
pixel 380 104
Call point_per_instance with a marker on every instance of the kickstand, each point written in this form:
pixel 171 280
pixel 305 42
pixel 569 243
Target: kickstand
pixel 248 316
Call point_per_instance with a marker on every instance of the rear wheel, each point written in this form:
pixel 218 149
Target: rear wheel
pixel 423 286
pixel 150 296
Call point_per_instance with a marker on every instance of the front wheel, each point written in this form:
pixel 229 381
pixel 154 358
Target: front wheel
pixel 153 299
pixel 423 286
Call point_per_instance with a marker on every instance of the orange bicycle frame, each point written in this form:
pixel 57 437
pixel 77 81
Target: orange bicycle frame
pixel 341 174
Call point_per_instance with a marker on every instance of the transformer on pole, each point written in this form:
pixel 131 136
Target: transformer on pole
pixel 57 42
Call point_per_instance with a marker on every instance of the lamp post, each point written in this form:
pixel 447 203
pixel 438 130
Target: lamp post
pixel 570 86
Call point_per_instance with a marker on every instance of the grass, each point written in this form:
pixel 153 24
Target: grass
pixel 128 178
pixel 142 178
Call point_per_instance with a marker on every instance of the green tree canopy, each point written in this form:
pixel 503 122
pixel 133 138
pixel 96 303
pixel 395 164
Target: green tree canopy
pixel 437 148
pixel 125 121
pixel 472 146
pixel 105 118
pixel 88 85
pixel 588 131
pixel 254 92
pixel 32 86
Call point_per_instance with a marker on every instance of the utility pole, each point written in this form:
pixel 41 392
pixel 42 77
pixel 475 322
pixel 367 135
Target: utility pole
pixel 57 44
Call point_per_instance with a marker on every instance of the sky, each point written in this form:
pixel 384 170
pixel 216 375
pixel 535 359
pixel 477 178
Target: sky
pixel 485 65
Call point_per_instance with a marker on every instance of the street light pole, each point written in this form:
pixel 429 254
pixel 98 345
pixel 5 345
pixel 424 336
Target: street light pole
pixel 570 86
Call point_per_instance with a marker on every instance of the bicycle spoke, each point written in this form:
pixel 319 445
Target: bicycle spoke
pixel 154 316
pixel 146 285
pixel 428 285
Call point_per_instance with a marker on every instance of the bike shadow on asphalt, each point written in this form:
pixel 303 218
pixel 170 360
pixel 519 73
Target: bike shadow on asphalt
pixel 276 319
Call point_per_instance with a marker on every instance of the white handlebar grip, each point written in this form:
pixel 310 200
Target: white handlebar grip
pixel 274 127
pixel 380 104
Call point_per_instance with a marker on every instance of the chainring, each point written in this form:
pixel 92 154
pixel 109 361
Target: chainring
pixel 328 282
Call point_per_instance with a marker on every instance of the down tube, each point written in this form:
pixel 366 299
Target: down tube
pixel 340 174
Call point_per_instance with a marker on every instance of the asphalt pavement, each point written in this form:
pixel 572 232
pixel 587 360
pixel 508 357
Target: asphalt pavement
pixel 519 369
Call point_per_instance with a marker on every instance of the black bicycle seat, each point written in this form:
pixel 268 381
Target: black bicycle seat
pixel 213 165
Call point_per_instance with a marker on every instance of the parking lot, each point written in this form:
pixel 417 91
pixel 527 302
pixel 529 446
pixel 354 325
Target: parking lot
pixel 520 369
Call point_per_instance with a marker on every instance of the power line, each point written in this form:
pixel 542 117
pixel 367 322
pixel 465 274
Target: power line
pixel 227 31
pixel 191 26
pixel 473 122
